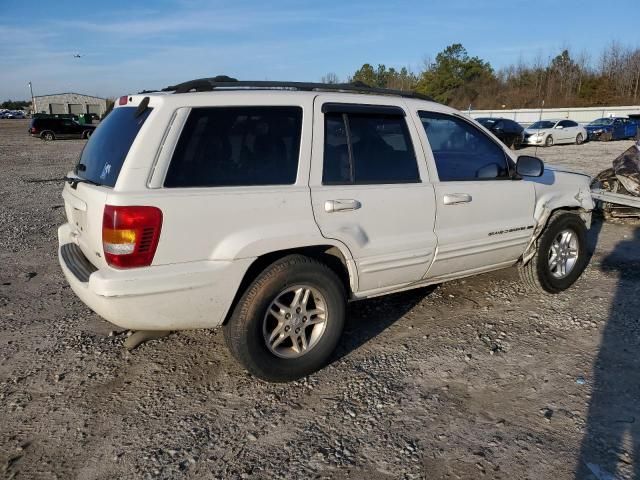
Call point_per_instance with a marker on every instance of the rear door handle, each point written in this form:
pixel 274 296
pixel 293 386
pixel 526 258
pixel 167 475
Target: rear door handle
pixel 331 206
pixel 456 198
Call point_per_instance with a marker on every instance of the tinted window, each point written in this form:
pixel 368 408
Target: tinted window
pixel 368 149
pixel 461 151
pixel 487 122
pixel 571 123
pixel 235 146
pixel 512 126
pixel 104 153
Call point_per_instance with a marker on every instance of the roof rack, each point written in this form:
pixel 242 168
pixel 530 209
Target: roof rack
pixel 228 83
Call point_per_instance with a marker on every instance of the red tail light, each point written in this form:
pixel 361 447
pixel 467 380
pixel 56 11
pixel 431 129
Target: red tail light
pixel 123 100
pixel 34 130
pixel 130 235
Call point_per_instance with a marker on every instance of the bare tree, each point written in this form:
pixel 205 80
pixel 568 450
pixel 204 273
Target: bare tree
pixel 331 78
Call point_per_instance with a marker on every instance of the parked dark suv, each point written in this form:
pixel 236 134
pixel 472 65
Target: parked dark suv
pixel 57 128
pixel 509 132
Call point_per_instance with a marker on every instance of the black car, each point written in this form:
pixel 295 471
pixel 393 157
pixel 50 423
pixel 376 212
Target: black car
pixel 509 132
pixel 57 128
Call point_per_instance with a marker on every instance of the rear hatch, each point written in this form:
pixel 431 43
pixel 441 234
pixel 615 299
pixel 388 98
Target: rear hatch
pixel 93 178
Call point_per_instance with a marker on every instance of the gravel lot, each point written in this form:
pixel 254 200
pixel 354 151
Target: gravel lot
pixel 473 379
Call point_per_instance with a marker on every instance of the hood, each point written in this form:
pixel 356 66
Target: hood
pixel 559 169
pixel 591 128
pixel 536 130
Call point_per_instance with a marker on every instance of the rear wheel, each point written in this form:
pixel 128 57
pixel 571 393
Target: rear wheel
pixel 48 136
pixel 579 139
pixel 548 141
pixel 87 134
pixel 289 320
pixel 561 255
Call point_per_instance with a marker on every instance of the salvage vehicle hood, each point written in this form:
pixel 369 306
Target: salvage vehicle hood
pixel 559 169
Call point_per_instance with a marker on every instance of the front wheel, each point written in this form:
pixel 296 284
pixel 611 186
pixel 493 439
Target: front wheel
pixel 288 322
pixel 549 141
pixel 579 139
pixel 87 134
pixel 48 136
pixel 561 255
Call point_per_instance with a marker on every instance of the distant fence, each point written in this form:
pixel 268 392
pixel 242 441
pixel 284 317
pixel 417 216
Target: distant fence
pixel 527 116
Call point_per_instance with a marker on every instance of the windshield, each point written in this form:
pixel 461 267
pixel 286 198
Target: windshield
pixel 542 124
pixel 104 153
pixel 602 121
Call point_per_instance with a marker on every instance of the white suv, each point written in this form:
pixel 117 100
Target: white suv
pixel 266 206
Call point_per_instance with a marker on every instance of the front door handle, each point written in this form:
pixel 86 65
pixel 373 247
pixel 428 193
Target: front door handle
pixel 456 198
pixel 331 206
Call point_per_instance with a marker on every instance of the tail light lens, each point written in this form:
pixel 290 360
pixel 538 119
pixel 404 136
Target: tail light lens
pixel 34 130
pixel 123 100
pixel 130 235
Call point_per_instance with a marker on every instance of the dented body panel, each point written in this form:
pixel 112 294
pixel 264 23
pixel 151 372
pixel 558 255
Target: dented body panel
pixel 559 190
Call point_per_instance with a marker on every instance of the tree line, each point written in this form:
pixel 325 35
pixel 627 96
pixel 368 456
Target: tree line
pixel 15 104
pixel 567 80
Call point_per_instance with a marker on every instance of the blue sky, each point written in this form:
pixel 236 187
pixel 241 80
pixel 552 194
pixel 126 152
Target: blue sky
pixel 127 46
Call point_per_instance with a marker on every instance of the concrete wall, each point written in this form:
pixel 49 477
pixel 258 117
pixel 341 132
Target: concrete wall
pixel 527 116
pixel 71 103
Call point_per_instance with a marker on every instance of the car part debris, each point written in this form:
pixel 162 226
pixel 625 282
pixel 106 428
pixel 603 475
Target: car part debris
pixel 142 336
pixel 618 188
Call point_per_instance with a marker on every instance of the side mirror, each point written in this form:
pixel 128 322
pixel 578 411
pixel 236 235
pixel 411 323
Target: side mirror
pixel 528 166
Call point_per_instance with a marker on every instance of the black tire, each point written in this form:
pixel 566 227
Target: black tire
pixel 87 134
pixel 48 136
pixel 536 275
pixel 579 139
pixel 548 142
pixel 243 332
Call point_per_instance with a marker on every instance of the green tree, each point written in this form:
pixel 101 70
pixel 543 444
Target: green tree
pixel 383 77
pixel 15 104
pixel 455 77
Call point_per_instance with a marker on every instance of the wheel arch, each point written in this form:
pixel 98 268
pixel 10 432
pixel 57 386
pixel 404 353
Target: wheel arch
pixel 543 221
pixel 337 259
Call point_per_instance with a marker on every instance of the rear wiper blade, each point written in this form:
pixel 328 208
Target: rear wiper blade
pixel 74 181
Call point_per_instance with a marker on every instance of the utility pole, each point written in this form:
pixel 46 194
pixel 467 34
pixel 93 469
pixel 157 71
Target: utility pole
pixel 33 100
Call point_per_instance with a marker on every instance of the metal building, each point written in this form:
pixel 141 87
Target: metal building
pixel 75 103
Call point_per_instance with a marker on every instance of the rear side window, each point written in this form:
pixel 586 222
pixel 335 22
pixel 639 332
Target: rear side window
pixel 237 146
pixel 461 151
pixel 368 149
pixel 104 153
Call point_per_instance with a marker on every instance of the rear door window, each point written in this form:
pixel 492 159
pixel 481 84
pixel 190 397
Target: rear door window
pixel 104 153
pixel 237 146
pixel 362 148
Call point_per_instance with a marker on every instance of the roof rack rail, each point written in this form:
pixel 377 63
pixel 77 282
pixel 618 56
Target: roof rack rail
pixel 224 82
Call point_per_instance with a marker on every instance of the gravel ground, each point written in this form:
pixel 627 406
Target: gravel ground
pixel 473 379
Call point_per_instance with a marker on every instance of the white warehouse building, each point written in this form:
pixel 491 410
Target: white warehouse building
pixel 74 103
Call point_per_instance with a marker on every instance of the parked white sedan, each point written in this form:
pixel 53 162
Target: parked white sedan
pixel 553 132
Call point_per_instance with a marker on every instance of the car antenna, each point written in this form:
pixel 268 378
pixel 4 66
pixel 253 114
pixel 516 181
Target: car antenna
pixel 535 152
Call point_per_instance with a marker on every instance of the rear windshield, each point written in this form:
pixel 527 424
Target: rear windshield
pixel 104 153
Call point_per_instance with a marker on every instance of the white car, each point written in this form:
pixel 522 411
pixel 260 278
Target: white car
pixel 265 207
pixel 554 132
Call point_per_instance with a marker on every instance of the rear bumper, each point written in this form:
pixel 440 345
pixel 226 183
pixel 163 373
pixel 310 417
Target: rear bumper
pixel 165 297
